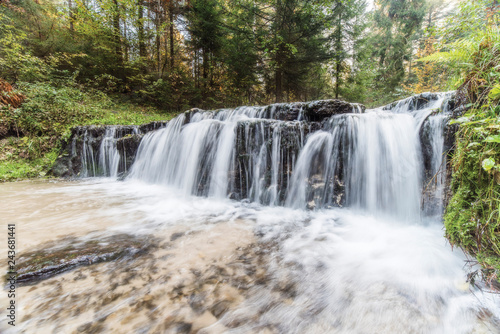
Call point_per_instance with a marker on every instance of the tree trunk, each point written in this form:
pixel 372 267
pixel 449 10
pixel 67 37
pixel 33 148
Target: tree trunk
pixel 71 15
pixel 158 24
pixel 279 53
pixel 171 19
pixel 339 49
pixel 116 31
pixel 205 73
pixel 140 28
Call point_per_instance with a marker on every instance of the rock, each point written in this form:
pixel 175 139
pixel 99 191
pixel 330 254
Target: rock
pixel 127 148
pixel 220 308
pixel 128 138
pixel 148 127
pixel 183 327
pixel 416 102
pixel 70 253
pixel 61 167
pixel 315 111
pixel 319 110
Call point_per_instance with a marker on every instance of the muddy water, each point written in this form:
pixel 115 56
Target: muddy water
pixel 217 266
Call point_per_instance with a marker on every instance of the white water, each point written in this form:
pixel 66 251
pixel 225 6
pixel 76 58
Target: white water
pixel 106 160
pixel 377 265
pixel 350 272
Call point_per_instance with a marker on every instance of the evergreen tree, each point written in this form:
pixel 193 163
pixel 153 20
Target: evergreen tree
pixel 347 26
pixel 396 24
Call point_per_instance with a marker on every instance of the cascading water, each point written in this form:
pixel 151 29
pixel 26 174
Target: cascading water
pixel 433 190
pixel 230 152
pixel 109 158
pixel 375 154
pixel 285 258
pixel 370 160
pixel 99 156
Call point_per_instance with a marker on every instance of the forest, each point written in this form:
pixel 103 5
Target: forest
pixel 250 166
pixel 174 55
pixel 77 62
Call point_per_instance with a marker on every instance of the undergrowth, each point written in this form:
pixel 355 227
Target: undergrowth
pixel 472 218
pixel 32 132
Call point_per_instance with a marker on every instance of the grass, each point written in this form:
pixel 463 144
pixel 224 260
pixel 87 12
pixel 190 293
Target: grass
pixel 46 117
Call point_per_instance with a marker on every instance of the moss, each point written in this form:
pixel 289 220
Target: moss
pixel 472 218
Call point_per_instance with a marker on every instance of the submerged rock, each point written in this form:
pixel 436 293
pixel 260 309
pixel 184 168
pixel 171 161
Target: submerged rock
pixel 69 253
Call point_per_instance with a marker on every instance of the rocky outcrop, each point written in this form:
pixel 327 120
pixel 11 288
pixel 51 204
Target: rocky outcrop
pixel 81 154
pixel 314 111
pixel 416 102
pixel 127 148
pixel 257 136
pixel 111 150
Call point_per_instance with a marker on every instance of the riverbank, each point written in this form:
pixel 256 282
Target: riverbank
pixel 32 133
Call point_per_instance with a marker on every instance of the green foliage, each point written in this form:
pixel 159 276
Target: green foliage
pixel 494 93
pixel 397 24
pixel 469 49
pixel 50 111
pixel 14 164
pixel 472 218
pixel 16 61
pixel 45 118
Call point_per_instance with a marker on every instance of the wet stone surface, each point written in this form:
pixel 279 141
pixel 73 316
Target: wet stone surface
pixel 70 253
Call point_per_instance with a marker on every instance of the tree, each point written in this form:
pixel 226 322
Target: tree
pixel 348 25
pixel 396 24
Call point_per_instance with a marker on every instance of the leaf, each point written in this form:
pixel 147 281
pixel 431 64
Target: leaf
pixel 494 93
pixel 493 139
pixel 461 120
pixel 488 164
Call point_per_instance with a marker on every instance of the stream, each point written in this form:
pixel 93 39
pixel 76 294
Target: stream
pixel 237 221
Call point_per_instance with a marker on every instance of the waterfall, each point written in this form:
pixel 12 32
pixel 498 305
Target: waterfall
pixel 369 160
pixel 98 151
pixel 227 153
pixel 317 217
pixel 312 155
pixel 109 158
pixel 375 154
pixel 433 130
pixel 89 166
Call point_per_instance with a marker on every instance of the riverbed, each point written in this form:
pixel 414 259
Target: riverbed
pixel 221 266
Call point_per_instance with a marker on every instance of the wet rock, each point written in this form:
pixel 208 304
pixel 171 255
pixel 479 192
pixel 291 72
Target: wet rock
pixel 319 110
pixel 85 143
pixel 314 111
pixel 69 253
pixel 220 308
pixel 183 327
pixel 176 236
pixel 148 127
pixel 416 102
pixel 127 148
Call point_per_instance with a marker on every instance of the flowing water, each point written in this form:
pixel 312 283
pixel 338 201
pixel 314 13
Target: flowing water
pixel 255 224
